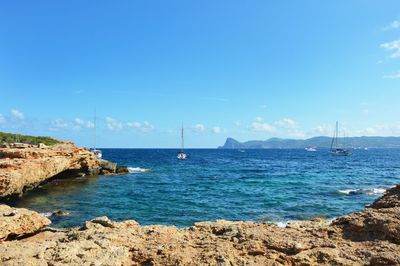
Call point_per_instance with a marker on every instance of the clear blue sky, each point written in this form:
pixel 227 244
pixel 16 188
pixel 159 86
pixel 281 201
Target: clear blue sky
pixel 245 69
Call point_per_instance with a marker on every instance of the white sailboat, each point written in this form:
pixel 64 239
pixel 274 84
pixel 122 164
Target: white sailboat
pixel 96 152
pixel 335 149
pixel 311 149
pixel 182 155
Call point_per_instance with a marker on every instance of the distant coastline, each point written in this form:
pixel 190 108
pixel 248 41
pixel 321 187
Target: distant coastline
pixel 318 142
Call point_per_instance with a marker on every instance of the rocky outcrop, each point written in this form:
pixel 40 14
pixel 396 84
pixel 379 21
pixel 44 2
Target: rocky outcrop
pixel 379 221
pixel 109 168
pixel 365 238
pixel 24 166
pixel 19 222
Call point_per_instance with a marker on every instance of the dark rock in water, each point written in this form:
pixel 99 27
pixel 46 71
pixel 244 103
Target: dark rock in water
pixel 94 171
pixel 59 213
pixel 109 168
pixel 122 170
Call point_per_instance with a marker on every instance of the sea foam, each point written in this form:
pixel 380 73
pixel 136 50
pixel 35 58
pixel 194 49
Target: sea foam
pixel 46 214
pixel 137 170
pixel 366 191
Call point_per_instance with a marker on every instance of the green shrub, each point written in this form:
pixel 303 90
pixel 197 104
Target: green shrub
pixel 10 138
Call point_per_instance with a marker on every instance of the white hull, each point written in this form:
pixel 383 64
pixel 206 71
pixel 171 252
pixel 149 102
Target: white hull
pixel 98 153
pixel 181 156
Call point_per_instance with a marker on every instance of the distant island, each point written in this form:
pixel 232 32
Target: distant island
pixel 318 142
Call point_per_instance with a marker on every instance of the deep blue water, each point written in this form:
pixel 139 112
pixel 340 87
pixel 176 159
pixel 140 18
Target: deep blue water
pixel 259 185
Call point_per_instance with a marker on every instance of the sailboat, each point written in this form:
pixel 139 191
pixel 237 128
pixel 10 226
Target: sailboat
pixel 335 150
pixel 182 155
pixel 311 149
pixel 96 152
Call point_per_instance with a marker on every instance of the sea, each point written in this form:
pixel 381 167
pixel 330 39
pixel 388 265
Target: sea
pixel 269 185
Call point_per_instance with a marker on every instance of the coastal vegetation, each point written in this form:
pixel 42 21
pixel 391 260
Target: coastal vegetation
pixel 12 138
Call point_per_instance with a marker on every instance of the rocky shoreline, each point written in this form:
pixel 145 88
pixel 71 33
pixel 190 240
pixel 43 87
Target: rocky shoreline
pixel 370 237
pixel 24 166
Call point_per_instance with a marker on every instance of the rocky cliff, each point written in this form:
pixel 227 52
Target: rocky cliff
pixel 371 237
pixel 24 166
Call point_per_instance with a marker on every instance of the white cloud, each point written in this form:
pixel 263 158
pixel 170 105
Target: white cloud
pixel 394 75
pixel 113 124
pixel 58 123
pixel 238 123
pixel 394 25
pixel 216 130
pixel 144 127
pixel 199 128
pixel 322 130
pixel 259 126
pixel 390 129
pixel 393 47
pixel 76 124
pixel 134 124
pixel 17 114
pixel 286 123
pixel 296 133
pixel 387 129
pixel 2 119
pixel 370 131
pixel 259 119
pixel 79 123
pixel 89 124
pixel 147 126
pixel 365 111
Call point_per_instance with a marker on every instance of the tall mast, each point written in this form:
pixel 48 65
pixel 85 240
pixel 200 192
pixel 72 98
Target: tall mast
pixel 182 138
pixel 94 124
pixel 337 134
pixel 333 139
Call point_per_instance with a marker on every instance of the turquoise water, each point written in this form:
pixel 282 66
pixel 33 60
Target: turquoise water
pixel 259 185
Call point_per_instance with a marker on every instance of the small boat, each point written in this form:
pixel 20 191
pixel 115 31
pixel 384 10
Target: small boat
pixel 96 152
pixel 311 149
pixel 182 155
pixel 335 147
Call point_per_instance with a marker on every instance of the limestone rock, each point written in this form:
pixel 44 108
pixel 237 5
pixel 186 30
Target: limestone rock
pixel 24 167
pixel 18 222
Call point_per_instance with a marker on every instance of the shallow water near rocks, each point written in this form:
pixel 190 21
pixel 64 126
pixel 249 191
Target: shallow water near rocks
pixel 258 185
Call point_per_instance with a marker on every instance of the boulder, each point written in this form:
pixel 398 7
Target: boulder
pixel 17 222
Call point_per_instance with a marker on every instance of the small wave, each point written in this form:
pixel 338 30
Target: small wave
pixel 375 191
pixel 46 214
pixel 366 191
pixel 349 191
pixel 137 170
pixel 282 224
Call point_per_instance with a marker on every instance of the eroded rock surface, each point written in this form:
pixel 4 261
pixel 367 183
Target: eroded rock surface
pixel 19 222
pixel 25 166
pixel 366 238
